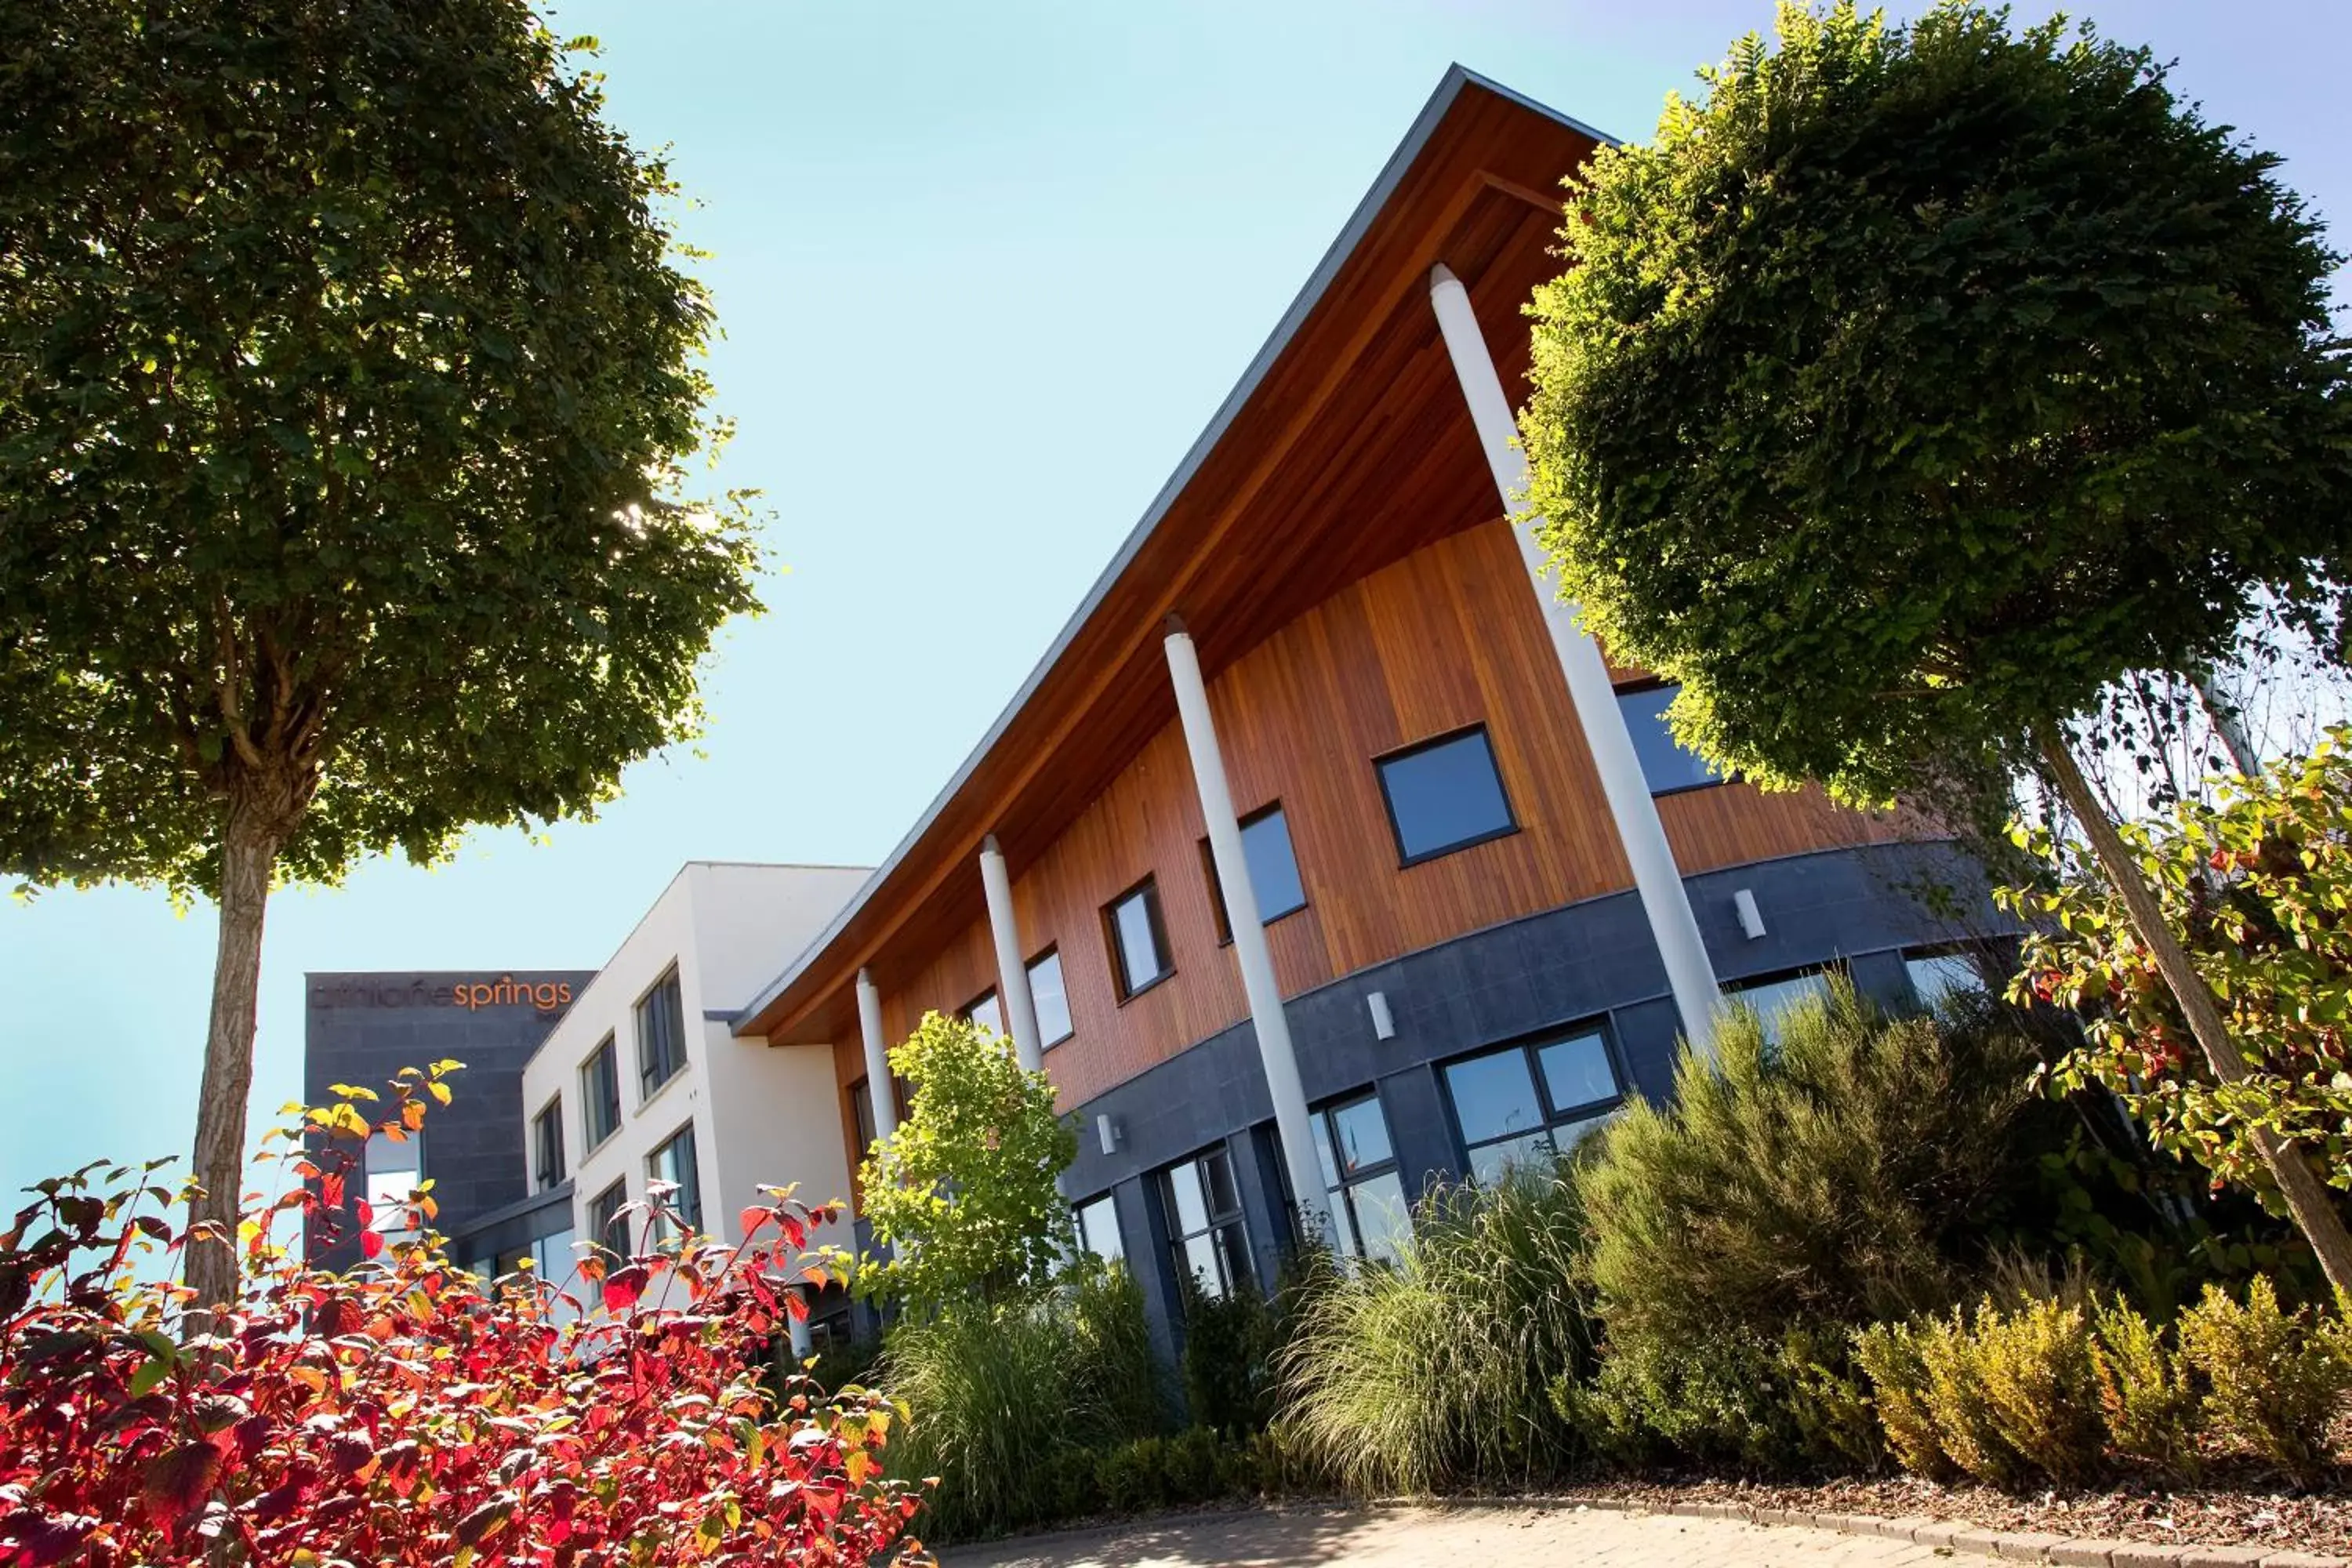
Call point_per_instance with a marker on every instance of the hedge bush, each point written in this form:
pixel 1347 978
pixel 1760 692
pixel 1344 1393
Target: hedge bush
pixel 2274 1379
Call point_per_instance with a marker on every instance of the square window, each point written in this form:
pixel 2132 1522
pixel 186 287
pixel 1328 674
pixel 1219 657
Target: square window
pixel 1667 765
pixel 1098 1233
pixel 1576 1072
pixel 1139 939
pixel 1444 795
pixel 1273 870
pixel 600 1094
pixel 984 1011
pixel 396 1169
pixel 661 1035
pixel 1494 1096
pixel 1053 999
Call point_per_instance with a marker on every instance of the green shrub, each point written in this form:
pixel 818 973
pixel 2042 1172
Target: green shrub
pixel 1438 1372
pixel 1732 1400
pixel 1228 1364
pixel 2274 1378
pixel 1999 1394
pixel 1004 1400
pixel 2145 1392
pixel 1849 1172
pixel 1133 1476
pixel 1196 1466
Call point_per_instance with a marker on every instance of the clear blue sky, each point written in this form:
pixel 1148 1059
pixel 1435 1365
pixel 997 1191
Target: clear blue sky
pixel 985 271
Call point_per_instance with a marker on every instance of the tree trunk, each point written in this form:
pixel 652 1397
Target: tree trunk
pixel 2230 725
pixel 248 856
pixel 2306 1195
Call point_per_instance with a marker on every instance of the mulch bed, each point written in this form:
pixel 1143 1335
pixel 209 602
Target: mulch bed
pixel 2227 1510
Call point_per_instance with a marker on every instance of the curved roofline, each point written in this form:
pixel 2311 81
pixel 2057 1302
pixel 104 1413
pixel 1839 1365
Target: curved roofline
pixel 1449 87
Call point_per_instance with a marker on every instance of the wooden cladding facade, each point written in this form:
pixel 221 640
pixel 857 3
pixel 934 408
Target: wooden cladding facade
pixel 1449 637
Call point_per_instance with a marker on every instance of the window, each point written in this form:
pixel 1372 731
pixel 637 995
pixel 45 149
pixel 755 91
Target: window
pixel 1531 1100
pixel 600 1094
pixel 1273 870
pixel 1666 762
pixel 1370 1217
pixel 1935 977
pixel 553 1259
pixel 1139 939
pixel 1053 999
pixel 1775 1000
pixel 861 1111
pixel 547 1144
pixel 983 1011
pixel 674 1162
pixel 395 1168
pixel 661 1035
pixel 1204 1222
pixel 605 1227
pixel 1097 1223
pixel 1444 795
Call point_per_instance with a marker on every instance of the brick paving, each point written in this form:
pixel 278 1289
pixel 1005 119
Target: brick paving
pixel 1452 1538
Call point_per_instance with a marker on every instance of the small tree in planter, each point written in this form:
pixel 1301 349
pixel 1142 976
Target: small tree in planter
pixel 1920 384
pixel 406 1412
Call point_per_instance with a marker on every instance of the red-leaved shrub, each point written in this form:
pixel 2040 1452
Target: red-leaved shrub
pixel 407 1411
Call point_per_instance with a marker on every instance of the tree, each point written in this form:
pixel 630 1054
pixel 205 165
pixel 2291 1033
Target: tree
pixel 407 1411
pixel 965 1191
pixel 2259 882
pixel 1918 383
pixel 346 384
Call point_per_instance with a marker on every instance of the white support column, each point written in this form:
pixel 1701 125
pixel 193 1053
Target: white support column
pixel 1655 877
pixel 1012 972
pixel 877 1058
pixel 1267 1020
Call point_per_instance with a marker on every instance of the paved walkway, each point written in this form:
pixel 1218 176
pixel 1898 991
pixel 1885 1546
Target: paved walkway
pixel 1451 1537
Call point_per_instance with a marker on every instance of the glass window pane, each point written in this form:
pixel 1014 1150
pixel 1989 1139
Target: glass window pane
pixel 986 1013
pixel 1488 1165
pixel 1323 1157
pixel 1494 1096
pixel 1664 762
pixel 1937 977
pixel 1233 1255
pixel 1200 1259
pixel 861 1106
pixel 1052 1001
pixel 1569 1135
pixel 1217 1168
pixel 1382 1216
pixel 1444 795
pixel 1775 999
pixel 1576 1072
pixel 1274 870
pixel 1098 1228
pixel 1139 951
pixel 385 1155
pixel 1343 1225
pixel 1364 1135
pixel 1191 1203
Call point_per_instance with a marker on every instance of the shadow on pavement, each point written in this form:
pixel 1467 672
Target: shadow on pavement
pixel 1243 1537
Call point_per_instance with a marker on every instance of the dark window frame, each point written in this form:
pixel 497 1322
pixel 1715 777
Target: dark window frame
pixel 1216 884
pixel 546 1129
pixel 1003 1025
pixel 1051 949
pixel 674 1055
pixel 1078 1223
pixel 1641 688
pixel 1122 983
pixel 863 1131
pixel 1223 1227
pixel 603 1215
pixel 687 1199
pixel 606 1055
pixel 1341 1191
pixel 1555 1117
pixel 1511 825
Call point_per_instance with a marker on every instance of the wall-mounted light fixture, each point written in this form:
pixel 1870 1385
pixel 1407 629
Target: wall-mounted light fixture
pixel 1108 1132
pixel 1383 1024
pixel 1751 919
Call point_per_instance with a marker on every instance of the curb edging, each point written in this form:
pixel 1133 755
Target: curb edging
pixel 2009 1545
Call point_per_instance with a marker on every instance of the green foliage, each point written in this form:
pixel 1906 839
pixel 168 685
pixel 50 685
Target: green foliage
pixel 1007 1400
pixel 963 1191
pixel 2256 883
pixel 1230 1345
pixel 1891 1356
pixel 348 384
pixel 1916 382
pixel 1438 1372
pixel 2275 1379
pixel 1854 1171
pixel 2145 1393
pixel 1730 1399
pixel 2000 1395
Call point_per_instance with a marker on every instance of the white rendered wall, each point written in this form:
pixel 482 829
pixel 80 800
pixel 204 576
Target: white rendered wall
pixel 759 1114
